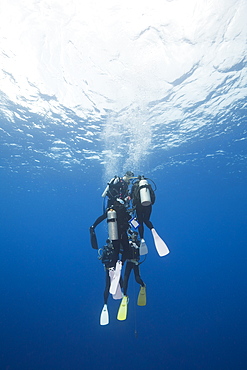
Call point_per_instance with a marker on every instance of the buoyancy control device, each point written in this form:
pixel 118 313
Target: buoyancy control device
pixel 106 254
pixel 116 188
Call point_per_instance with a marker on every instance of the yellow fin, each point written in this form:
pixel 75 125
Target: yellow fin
pixel 142 300
pixel 123 308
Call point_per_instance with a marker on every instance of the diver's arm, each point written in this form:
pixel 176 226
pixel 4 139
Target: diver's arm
pixel 99 220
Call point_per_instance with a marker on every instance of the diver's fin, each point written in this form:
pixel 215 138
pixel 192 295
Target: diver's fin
pixel 142 299
pixel 123 308
pixel 160 245
pixel 111 273
pixel 93 239
pixel 143 248
pixel 104 316
pixel 118 294
pixel 116 277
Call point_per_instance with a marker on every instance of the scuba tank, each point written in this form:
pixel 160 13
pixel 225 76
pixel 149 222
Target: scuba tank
pixel 112 224
pixel 145 196
pixel 105 191
pixel 107 187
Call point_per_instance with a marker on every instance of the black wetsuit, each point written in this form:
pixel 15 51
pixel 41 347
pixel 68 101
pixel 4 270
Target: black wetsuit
pixel 129 267
pixel 143 213
pixel 132 264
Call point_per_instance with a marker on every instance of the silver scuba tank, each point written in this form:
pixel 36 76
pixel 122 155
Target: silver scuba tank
pixel 105 191
pixel 145 196
pixel 107 188
pixel 112 224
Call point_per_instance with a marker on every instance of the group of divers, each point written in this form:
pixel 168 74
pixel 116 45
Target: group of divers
pixel 128 208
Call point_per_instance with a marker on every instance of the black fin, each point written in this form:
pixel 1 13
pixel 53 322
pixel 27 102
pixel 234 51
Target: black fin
pixel 93 239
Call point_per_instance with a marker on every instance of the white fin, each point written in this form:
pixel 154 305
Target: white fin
pixel 160 245
pixel 143 248
pixel 104 316
pixel 116 277
pixel 118 294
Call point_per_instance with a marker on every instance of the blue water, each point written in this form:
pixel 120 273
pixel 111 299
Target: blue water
pixel 52 282
pixel 163 94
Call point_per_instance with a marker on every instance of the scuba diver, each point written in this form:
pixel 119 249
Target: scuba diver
pixel 117 188
pixel 123 240
pixel 118 223
pixel 106 255
pixel 132 264
pixel 143 197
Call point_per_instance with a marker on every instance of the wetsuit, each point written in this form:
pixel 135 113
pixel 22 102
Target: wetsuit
pixel 131 265
pixel 143 213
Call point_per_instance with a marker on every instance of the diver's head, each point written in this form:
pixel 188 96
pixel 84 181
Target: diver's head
pixel 128 176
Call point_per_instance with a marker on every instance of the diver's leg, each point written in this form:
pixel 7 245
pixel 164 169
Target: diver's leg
pixel 138 278
pixel 139 215
pixel 125 245
pixel 127 272
pixel 147 210
pixel 107 286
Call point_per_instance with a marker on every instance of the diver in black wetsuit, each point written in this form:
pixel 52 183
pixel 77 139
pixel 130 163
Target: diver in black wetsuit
pixel 132 262
pixel 107 257
pixel 143 213
pixel 117 192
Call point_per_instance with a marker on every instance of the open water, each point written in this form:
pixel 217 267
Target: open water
pixel 188 135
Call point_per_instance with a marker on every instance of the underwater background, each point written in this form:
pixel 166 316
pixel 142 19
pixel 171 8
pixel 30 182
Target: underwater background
pixel 89 91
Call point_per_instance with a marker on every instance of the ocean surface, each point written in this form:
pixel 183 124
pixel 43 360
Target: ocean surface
pixel 91 91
